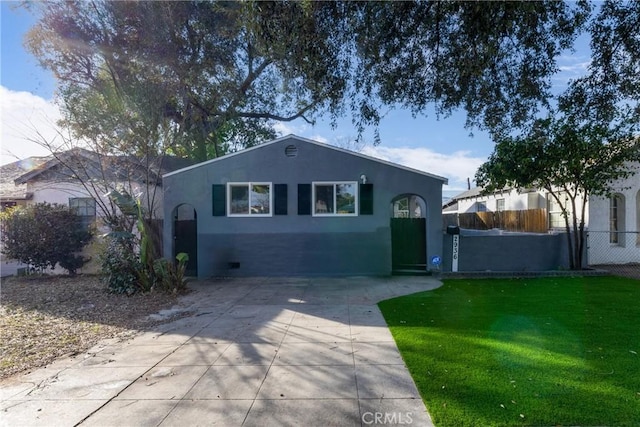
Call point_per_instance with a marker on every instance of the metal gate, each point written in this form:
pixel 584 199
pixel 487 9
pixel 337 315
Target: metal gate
pixel 186 240
pixel 408 244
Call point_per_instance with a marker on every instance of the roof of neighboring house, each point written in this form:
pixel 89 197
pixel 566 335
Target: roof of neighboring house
pixel 310 141
pixel 88 164
pixel 96 166
pixel 478 192
pixel 9 172
pixel 473 192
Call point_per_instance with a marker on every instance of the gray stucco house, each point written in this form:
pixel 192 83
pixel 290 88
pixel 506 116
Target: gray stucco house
pixel 297 207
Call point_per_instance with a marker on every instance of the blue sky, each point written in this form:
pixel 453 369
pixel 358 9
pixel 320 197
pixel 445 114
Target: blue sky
pixel 442 147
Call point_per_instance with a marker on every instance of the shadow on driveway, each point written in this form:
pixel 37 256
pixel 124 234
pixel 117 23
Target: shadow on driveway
pixel 257 351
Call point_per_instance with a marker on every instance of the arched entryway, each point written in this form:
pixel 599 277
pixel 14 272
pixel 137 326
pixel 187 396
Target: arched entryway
pixel 408 234
pixel 185 236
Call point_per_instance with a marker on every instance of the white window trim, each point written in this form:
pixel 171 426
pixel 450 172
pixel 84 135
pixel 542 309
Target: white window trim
pixel 334 183
pixel 249 215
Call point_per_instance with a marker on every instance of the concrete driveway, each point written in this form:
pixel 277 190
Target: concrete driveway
pixel 256 352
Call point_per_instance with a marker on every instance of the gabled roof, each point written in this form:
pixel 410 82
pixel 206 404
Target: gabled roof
pixel 96 166
pixel 9 172
pixel 14 176
pixel 473 192
pixel 308 141
pixel 51 162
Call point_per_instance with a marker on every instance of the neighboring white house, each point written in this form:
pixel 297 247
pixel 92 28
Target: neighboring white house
pixel 508 199
pixel 50 179
pixel 511 199
pixel 81 179
pixel 614 231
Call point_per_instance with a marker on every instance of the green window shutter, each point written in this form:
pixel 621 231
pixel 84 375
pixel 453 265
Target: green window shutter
pixel 366 199
pixel 219 200
pixel 304 199
pixel 280 199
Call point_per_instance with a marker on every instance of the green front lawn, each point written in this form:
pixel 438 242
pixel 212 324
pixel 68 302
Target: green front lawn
pixel 505 352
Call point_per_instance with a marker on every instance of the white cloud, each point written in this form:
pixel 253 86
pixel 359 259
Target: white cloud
pixel 570 67
pixel 300 128
pixel 457 167
pixel 578 68
pixel 284 128
pixel 25 117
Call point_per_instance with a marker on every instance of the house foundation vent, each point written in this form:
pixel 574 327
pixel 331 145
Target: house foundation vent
pixel 291 151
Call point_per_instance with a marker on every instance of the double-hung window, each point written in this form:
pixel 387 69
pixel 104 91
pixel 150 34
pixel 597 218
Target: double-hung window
pixel 85 208
pixel 335 198
pixel 249 199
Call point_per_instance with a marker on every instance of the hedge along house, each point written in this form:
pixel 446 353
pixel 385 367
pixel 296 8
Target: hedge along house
pixel 294 206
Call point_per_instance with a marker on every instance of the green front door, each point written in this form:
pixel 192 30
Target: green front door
pixel 408 244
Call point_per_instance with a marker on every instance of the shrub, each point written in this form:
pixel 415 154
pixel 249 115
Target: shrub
pixel 170 276
pixel 43 235
pixel 131 264
pixel 121 266
pixel 124 273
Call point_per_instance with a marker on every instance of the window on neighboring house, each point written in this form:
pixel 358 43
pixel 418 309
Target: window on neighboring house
pixel 616 220
pixel 335 198
pixel 500 205
pixel 554 210
pixel 481 206
pixel 85 208
pixel 249 199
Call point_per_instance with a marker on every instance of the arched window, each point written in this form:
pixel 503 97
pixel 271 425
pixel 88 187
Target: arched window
pixel 616 219
pixel 408 207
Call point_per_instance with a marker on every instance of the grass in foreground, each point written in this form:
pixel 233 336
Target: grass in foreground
pixel 505 352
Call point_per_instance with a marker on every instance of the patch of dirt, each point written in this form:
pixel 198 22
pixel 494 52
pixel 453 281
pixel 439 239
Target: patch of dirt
pixel 47 317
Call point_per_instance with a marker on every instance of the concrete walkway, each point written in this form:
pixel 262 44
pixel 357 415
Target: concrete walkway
pixel 257 352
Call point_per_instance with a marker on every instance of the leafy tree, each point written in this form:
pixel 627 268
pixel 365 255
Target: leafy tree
pixel 43 235
pixel 492 59
pixel 219 74
pixel 197 68
pixel 612 81
pixel 568 157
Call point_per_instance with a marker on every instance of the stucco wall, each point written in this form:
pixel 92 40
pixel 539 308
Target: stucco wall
pixel 627 250
pixel 297 244
pixel 60 192
pixel 508 252
pixel 513 201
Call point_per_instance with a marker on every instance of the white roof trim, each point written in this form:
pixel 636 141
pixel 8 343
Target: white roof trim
pixel 310 141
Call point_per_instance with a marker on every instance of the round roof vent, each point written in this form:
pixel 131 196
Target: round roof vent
pixel 291 151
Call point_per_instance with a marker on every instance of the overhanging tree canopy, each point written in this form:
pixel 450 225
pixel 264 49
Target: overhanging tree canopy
pixel 219 74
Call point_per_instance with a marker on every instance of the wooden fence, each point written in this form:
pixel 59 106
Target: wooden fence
pixel 531 220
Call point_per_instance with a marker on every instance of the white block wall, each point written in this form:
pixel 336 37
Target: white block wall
pixel 600 250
